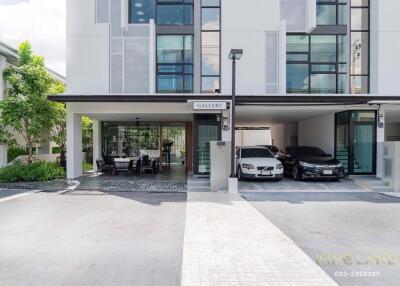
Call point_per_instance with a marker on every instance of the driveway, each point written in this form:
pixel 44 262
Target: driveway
pixel 290 185
pixel 92 238
pixel 348 234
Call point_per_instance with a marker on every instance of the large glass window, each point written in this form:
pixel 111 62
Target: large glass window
pixel 332 12
pixel 175 12
pixel 141 11
pixel 360 38
pixel 175 63
pixel 210 46
pixel 316 64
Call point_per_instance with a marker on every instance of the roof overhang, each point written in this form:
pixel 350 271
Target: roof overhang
pixel 277 99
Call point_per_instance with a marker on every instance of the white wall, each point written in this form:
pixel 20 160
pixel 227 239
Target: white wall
pixel 253 137
pixel 291 130
pixel 319 132
pixel 87 49
pixel 244 27
pixel 300 15
pixel 385 45
pixel 278 135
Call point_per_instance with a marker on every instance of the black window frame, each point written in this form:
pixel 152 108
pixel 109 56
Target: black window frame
pixel 184 3
pixel 182 65
pixel 204 6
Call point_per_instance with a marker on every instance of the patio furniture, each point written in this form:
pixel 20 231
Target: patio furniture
pixel 122 165
pixel 147 165
pixel 102 166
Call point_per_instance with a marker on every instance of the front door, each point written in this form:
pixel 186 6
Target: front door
pixel 355 141
pixel 207 128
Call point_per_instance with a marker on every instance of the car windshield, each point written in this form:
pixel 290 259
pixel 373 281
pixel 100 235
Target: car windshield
pixel 256 153
pixel 307 152
pixel 273 149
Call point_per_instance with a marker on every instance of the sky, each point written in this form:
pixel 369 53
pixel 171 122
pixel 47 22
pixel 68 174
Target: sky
pixel 42 22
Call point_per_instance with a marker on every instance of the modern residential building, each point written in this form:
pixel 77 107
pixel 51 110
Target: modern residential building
pixel 313 72
pixel 9 57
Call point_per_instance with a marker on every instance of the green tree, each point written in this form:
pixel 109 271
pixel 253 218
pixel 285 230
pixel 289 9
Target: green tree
pixel 26 109
pixel 59 131
pixel 87 134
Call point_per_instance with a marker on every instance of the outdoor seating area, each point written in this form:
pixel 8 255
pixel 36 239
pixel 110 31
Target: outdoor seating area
pixel 128 165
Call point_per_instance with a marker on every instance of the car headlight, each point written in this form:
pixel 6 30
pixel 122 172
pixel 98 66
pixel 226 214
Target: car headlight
pixel 340 165
pixel 279 166
pixel 247 166
pixel 307 165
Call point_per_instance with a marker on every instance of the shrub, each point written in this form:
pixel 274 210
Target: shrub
pixel 38 171
pixel 14 152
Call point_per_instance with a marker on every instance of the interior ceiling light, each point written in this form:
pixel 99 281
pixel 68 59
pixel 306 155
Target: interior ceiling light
pixel 140 13
pixel 141 20
pixel 138 5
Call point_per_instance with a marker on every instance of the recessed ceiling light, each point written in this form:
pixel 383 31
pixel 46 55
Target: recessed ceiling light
pixel 141 20
pixel 140 13
pixel 138 5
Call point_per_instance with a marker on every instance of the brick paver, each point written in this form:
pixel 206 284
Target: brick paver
pixel 228 242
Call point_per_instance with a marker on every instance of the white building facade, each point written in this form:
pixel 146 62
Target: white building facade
pixel 313 72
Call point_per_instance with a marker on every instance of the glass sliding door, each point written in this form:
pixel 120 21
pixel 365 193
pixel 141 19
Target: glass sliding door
pixel 207 128
pixel 363 149
pixel 363 138
pixel 356 141
pixel 342 139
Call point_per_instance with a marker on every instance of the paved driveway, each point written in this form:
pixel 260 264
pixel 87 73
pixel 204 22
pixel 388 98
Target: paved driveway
pixel 341 231
pixel 290 185
pixel 92 238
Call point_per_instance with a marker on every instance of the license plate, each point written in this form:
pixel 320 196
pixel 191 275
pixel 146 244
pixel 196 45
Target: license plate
pixel 265 173
pixel 328 172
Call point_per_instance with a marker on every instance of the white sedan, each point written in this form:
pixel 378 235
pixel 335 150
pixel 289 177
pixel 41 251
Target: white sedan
pixel 257 163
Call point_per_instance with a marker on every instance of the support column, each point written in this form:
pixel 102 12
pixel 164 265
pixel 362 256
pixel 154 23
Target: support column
pixel 74 144
pixel 96 142
pixel 3 147
pixel 380 140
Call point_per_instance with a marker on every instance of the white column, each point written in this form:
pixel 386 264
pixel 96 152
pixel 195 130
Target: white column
pixel 96 142
pixel 3 147
pixel 380 140
pixel 74 144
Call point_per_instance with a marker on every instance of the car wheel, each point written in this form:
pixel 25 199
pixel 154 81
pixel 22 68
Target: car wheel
pixel 295 173
pixel 239 174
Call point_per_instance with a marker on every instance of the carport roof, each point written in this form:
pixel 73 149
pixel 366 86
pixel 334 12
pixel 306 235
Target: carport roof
pixel 288 99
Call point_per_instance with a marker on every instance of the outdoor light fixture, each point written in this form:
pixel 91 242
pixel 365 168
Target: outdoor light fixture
pixel 235 54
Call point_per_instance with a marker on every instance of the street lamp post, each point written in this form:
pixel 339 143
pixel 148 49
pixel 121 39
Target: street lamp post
pixel 234 55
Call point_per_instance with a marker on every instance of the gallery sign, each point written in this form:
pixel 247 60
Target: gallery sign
pixel 210 105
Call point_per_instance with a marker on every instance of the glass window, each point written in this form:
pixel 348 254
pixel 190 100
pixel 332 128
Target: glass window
pixel 297 43
pixel 210 53
pixel 359 84
pixel 170 49
pixel 297 78
pixel 210 3
pixel 210 19
pixel 141 11
pixel 326 14
pixel 210 84
pixel 323 83
pixel 174 13
pixel 210 46
pixel 297 57
pixel 359 19
pixel 323 49
pixel 174 63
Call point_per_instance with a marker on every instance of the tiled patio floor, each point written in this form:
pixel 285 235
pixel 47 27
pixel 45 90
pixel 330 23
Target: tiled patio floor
pixel 169 180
